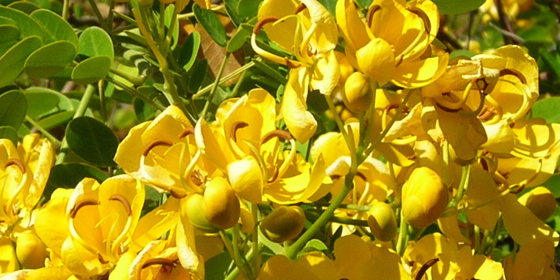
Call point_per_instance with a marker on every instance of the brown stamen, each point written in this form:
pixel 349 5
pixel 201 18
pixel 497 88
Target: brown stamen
pixel 274 176
pixel 85 202
pixel 264 21
pixel 424 268
pixel 158 261
pixel 237 125
pixel 188 131
pixel 154 144
pixel 124 201
pixel 515 73
pixel 15 161
pixel 300 8
pixel 177 195
pixel 361 175
pixel 276 133
pixel 371 11
pixel 101 259
pixel 422 15
pixel 486 114
pixel 449 110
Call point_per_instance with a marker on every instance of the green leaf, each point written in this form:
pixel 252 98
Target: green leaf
pixel 8 132
pixel 55 28
pixel 25 7
pixel 56 119
pixel 12 62
pixel 10 36
pixel 91 70
pixel 453 7
pixel 27 25
pixel 330 5
pixel 552 62
pixel 94 41
pixel 42 102
pixel 168 17
pixel 212 24
pixel 547 109
pixel 314 245
pixel 68 175
pixel 13 107
pixel 143 111
pixel 92 140
pixel 189 51
pixel 197 74
pixel 248 8
pixel 237 41
pixel 50 59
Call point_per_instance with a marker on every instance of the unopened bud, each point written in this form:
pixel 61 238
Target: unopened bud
pixel 283 224
pixel 424 197
pixel 540 201
pixel 357 94
pixel 382 221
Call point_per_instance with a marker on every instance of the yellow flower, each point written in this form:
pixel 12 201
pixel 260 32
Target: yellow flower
pixel 535 260
pixel 91 227
pixel 244 143
pixel 400 52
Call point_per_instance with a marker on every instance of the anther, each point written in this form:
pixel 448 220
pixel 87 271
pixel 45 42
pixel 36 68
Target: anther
pixel 177 195
pixel 424 268
pixel 371 11
pixel 237 125
pixel 154 144
pixel 515 73
pixel 300 8
pixel 423 16
pixel 188 131
pixel 361 175
pixel 276 133
pixel 15 161
pixel 124 201
pixel 264 21
pixel 85 202
pixel 158 261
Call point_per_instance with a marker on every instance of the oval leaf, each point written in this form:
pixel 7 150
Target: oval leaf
pixel 92 140
pixel 8 132
pixel 13 107
pixel 56 119
pixel 189 51
pixel 68 175
pixel 56 28
pixel 453 7
pixel 91 70
pixel 94 41
pixel 50 59
pixel 547 109
pixel 42 102
pixel 212 24
pixel 12 62
pixel 27 25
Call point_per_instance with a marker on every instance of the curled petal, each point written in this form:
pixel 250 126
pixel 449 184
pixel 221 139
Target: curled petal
pixel 246 179
pixel 299 121
pixel 377 61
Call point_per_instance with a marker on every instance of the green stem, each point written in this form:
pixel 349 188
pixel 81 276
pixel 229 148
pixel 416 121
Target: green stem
pixel 134 93
pixel 102 103
pixel 403 233
pixel 338 121
pixel 340 220
pixel 256 261
pixel 240 260
pixel 100 18
pixel 215 86
pixel 65 6
pixel 110 16
pixel 226 78
pixel 45 133
pixel 137 81
pixel 292 250
pixel 88 93
pixel 463 185
pixel 369 118
pixel 235 272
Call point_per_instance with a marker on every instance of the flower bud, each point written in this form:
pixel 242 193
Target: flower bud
pixel 357 94
pixel 197 215
pixel 540 201
pixel 221 205
pixel 283 224
pixel 382 221
pixel 424 197
pixel 30 250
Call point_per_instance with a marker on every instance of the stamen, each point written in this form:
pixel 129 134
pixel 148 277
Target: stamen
pixel 17 162
pixel 237 125
pixel 158 261
pixel 515 73
pixel 85 202
pixel 124 201
pixel 262 22
pixel 371 11
pixel 424 268
pixel 361 175
pixel 154 144
pixel 422 15
pixel 276 133
pixel 300 8
pixel 176 194
pixel 101 259
pixel 188 131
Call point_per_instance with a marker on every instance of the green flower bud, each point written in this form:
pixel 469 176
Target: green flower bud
pixel 197 214
pixel 283 224
pixel 382 221
pixel 424 197
pixel 357 94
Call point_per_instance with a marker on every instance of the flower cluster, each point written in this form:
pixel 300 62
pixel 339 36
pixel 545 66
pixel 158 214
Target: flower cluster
pixel 435 162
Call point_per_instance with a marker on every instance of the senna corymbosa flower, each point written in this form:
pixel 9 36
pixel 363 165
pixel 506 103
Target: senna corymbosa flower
pixel 244 143
pixel 401 51
pixel 315 36
pixel 24 171
pixel 90 227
